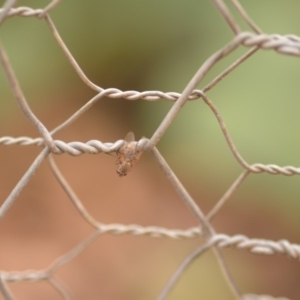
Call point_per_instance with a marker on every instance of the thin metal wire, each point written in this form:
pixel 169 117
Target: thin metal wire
pixel 182 192
pixel 22 183
pixel 256 246
pixel 181 269
pixel 49 7
pixel 60 288
pixel 6 293
pixel 15 87
pixel 23 11
pixel 228 70
pixel 246 17
pixel 73 253
pixel 262 297
pixel 227 195
pixel 69 56
pixel 207 229
pixel 7 6
pixel 282 44
pixel 225 12
pixel 241 242
pixel 71 194
pixel 206 66
pixel 94 147
pixel 237 242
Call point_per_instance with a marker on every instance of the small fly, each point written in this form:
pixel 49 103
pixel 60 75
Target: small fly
pixel 127 155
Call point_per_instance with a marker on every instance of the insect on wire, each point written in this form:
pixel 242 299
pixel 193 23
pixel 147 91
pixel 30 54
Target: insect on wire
pixel 127 155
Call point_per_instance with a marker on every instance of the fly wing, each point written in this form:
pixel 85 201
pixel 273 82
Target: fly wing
pixel 129 137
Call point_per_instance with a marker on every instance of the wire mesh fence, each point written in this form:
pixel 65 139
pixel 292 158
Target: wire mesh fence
pixel 128 152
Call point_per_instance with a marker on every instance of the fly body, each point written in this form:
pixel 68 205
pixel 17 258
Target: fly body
pixel 127 155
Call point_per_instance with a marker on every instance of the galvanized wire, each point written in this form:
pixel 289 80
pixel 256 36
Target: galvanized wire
pixel 256 40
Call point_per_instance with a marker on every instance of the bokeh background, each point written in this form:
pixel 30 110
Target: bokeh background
pixel 150 45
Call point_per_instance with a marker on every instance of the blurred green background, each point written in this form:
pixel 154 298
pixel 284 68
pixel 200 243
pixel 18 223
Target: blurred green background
pixel 159 45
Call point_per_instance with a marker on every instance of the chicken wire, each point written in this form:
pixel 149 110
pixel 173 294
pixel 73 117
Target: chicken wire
pixel 128 153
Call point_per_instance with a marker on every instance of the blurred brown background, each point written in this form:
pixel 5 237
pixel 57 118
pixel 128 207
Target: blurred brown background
pixel 154 45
